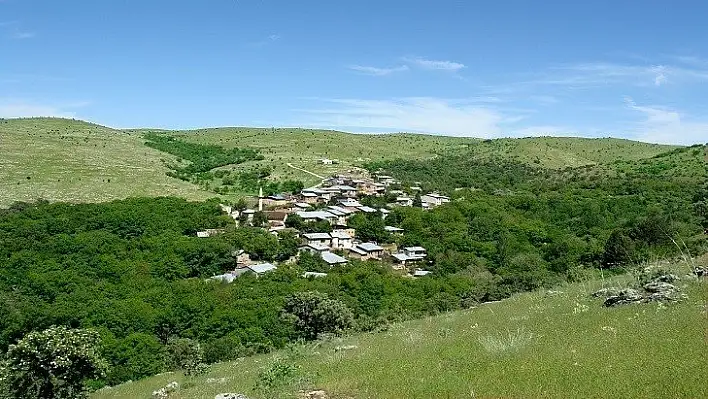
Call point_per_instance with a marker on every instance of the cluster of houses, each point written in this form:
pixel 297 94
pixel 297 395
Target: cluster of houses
pixel 334 202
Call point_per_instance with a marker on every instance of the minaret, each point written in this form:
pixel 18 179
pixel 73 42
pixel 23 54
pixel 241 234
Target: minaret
pixel 260 199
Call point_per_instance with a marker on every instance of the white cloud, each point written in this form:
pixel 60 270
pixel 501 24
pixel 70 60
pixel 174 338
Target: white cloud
pixel 411 114
pixel 374 71
pixel 667 126
pixel 434 65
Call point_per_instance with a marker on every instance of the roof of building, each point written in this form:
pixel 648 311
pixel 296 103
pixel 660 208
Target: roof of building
pixel 314 274
pixel 438 196
pixel 399 199
pixel 277 197
pixel 337 211
pixel 303 205
pixel 350 203
pixel 262 267
pixel 392 229
pixel 275 215
pixel 249 211
pixel 421 273
pixel 400 257
pixel 414 249
pixel 384 211
pixel 202 234
pixel 308 194
pixel 317 236
pixel 317 247
pixel 358 251
pixel 369 247
pixel 340 235
pixel 332 258
pixel 367 209
pixel 316 215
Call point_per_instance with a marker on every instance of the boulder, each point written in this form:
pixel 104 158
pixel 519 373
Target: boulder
pixel 667 278
pixel 625 296
pixel 659 286
pixel 606 292
pixel 319 394
pixel 230 396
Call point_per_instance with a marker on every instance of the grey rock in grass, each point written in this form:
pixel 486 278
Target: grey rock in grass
pixel 659 286
pixel 230 396
pixel 667 278
pixel 606 292
pixel 625 296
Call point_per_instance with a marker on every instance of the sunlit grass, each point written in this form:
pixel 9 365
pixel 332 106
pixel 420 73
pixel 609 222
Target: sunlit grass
pixel 559 345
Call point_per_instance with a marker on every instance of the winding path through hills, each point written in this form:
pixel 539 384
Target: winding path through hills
pixel 308 172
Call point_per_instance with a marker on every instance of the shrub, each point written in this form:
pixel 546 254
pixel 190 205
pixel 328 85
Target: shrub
pixel 186 355
pixel 314 313
pixel 52 364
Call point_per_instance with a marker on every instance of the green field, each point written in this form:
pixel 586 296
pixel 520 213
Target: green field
pixel 550 344
pixel 68 160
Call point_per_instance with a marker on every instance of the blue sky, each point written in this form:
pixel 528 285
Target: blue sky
pixel 624 68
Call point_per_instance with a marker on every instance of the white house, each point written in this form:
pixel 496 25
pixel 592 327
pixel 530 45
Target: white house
pixel 341 240
pixel 258 269
pixel 415 251
pixel 322 239
pixel 433 199
pixel 404 201
pixel 326 161
pixel 367 250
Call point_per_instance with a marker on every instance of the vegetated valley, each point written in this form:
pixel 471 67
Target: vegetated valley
pixel 135 271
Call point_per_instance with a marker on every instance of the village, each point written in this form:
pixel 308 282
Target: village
pixel 332 203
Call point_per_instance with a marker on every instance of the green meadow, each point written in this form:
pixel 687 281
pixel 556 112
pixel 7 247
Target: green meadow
pixel 546 344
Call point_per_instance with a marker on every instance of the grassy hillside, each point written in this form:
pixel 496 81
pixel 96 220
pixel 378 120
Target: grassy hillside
pixel 66 160
pixel 551 344
pixel 304 148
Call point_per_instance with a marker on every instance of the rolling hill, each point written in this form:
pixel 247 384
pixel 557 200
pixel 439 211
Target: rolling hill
pixel 74 161
pixel 550 344
pixel 70 160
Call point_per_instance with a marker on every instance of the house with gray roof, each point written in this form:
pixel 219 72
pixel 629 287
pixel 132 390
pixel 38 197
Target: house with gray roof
pixel 333 259
pixel 367 250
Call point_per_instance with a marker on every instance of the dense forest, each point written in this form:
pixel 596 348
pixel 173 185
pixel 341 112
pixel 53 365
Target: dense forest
pixel 135 271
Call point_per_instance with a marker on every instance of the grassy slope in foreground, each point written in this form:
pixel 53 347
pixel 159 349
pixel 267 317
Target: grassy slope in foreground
pixel 559 345
pixel 67 160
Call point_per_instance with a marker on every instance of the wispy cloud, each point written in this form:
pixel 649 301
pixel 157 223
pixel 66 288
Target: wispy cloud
pixel 434 64
pixel 411 114
pixel 665 125
pixel 23 35
pixel 374 71
pixel 269 39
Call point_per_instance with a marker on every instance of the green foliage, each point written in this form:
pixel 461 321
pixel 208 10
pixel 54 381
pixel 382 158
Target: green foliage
pixel 186 355
pixel 619 249
pixel 51 364
pixel 314 313
pixel 202 158
pixel 369 227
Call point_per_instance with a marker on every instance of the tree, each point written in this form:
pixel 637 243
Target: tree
pixel 52 364
pixel 417 201
pixel 260 219
pixel 241 205
pixel 314 313
pixel 618 249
